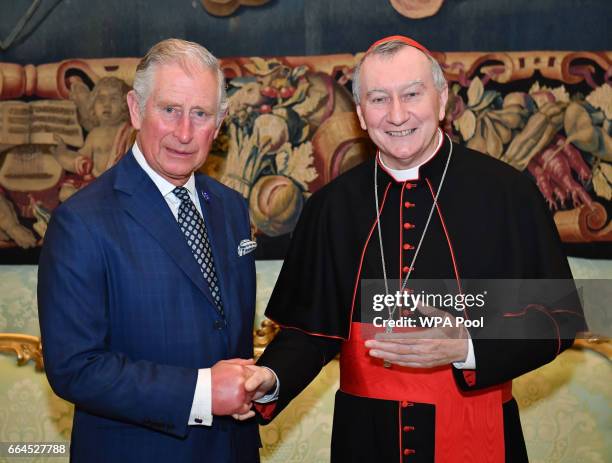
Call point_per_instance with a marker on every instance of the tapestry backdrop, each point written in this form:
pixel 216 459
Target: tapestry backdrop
pixel 291 129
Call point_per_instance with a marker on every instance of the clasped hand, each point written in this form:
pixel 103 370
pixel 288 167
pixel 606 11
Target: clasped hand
pixel 425 348
pixel 236 383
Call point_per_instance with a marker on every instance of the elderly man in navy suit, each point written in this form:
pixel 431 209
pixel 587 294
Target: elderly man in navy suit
pixel 146 288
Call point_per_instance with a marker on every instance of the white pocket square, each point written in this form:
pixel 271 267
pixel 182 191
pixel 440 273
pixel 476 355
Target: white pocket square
pixel 245 247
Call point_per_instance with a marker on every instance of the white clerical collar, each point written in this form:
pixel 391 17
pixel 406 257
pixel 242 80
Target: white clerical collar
pixel 401 175
pixel 163 185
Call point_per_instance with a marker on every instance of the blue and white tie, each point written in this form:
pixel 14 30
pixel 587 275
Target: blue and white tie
pixel 193 227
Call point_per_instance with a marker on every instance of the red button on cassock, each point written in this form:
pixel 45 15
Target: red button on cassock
pixel 406 404
pixel 406 269
pixel 408 428
pixel 408 226
pixel 408 247
pixel 409 451
pixel 408 204
pixel 410 185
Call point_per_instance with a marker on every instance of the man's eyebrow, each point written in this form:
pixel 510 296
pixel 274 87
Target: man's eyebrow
pixel 164 103
pixel 403 87
pixel 376 90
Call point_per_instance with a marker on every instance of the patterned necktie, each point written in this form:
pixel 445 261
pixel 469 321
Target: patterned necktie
pixel 193 227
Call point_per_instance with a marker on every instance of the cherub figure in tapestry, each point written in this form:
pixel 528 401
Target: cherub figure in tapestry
pixel 104 114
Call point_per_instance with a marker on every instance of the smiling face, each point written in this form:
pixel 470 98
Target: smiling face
pixel 400 106
pixel 178 123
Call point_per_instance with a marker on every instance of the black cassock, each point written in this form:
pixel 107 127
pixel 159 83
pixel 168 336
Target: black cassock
pixel 491 223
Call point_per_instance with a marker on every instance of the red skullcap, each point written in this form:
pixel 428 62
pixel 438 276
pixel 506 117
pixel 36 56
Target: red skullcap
pixel 400 38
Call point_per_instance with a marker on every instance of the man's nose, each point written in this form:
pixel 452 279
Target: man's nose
pixel 184 129
pixel 398 113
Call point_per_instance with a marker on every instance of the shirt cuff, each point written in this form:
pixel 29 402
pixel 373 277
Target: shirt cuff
pixel 273 395
pixel 201 408
pixel 470 360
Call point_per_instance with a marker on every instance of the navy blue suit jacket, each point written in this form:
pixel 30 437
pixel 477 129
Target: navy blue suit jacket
pixel 127 319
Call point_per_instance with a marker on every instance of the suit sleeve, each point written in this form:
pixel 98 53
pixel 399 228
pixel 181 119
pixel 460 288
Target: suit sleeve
pixel 523 337
pixel 73 300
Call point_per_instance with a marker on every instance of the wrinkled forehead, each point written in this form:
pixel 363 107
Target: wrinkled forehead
pixel 167 76
pixel 191 68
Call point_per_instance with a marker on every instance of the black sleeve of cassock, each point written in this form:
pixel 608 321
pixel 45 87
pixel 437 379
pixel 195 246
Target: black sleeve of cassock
pixel 296 358
pixel 501 360
pixel 537 336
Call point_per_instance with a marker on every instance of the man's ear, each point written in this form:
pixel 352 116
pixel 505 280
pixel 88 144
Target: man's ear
pixel 220 123
pixel 135 116
pixel 443 95
pixel 362 122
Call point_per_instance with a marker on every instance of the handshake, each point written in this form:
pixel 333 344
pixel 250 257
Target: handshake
pixel 236 383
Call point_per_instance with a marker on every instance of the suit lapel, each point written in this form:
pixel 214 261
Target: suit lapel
pixel 144 203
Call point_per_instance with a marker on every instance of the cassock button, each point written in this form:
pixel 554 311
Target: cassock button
pixel 408 204
pixel 407 247
pixel 406 269
pixel 408 186
pixel 409 451
pixel 408 226
pixel 406 404
pixel 408 428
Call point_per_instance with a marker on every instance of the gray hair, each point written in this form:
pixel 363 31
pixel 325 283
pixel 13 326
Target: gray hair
pixel 183 53
pixel 390 48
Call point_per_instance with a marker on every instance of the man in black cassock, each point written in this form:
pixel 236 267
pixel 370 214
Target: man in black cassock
pixel 444 212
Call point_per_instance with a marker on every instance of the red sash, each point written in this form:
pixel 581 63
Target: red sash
pixel 469 425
